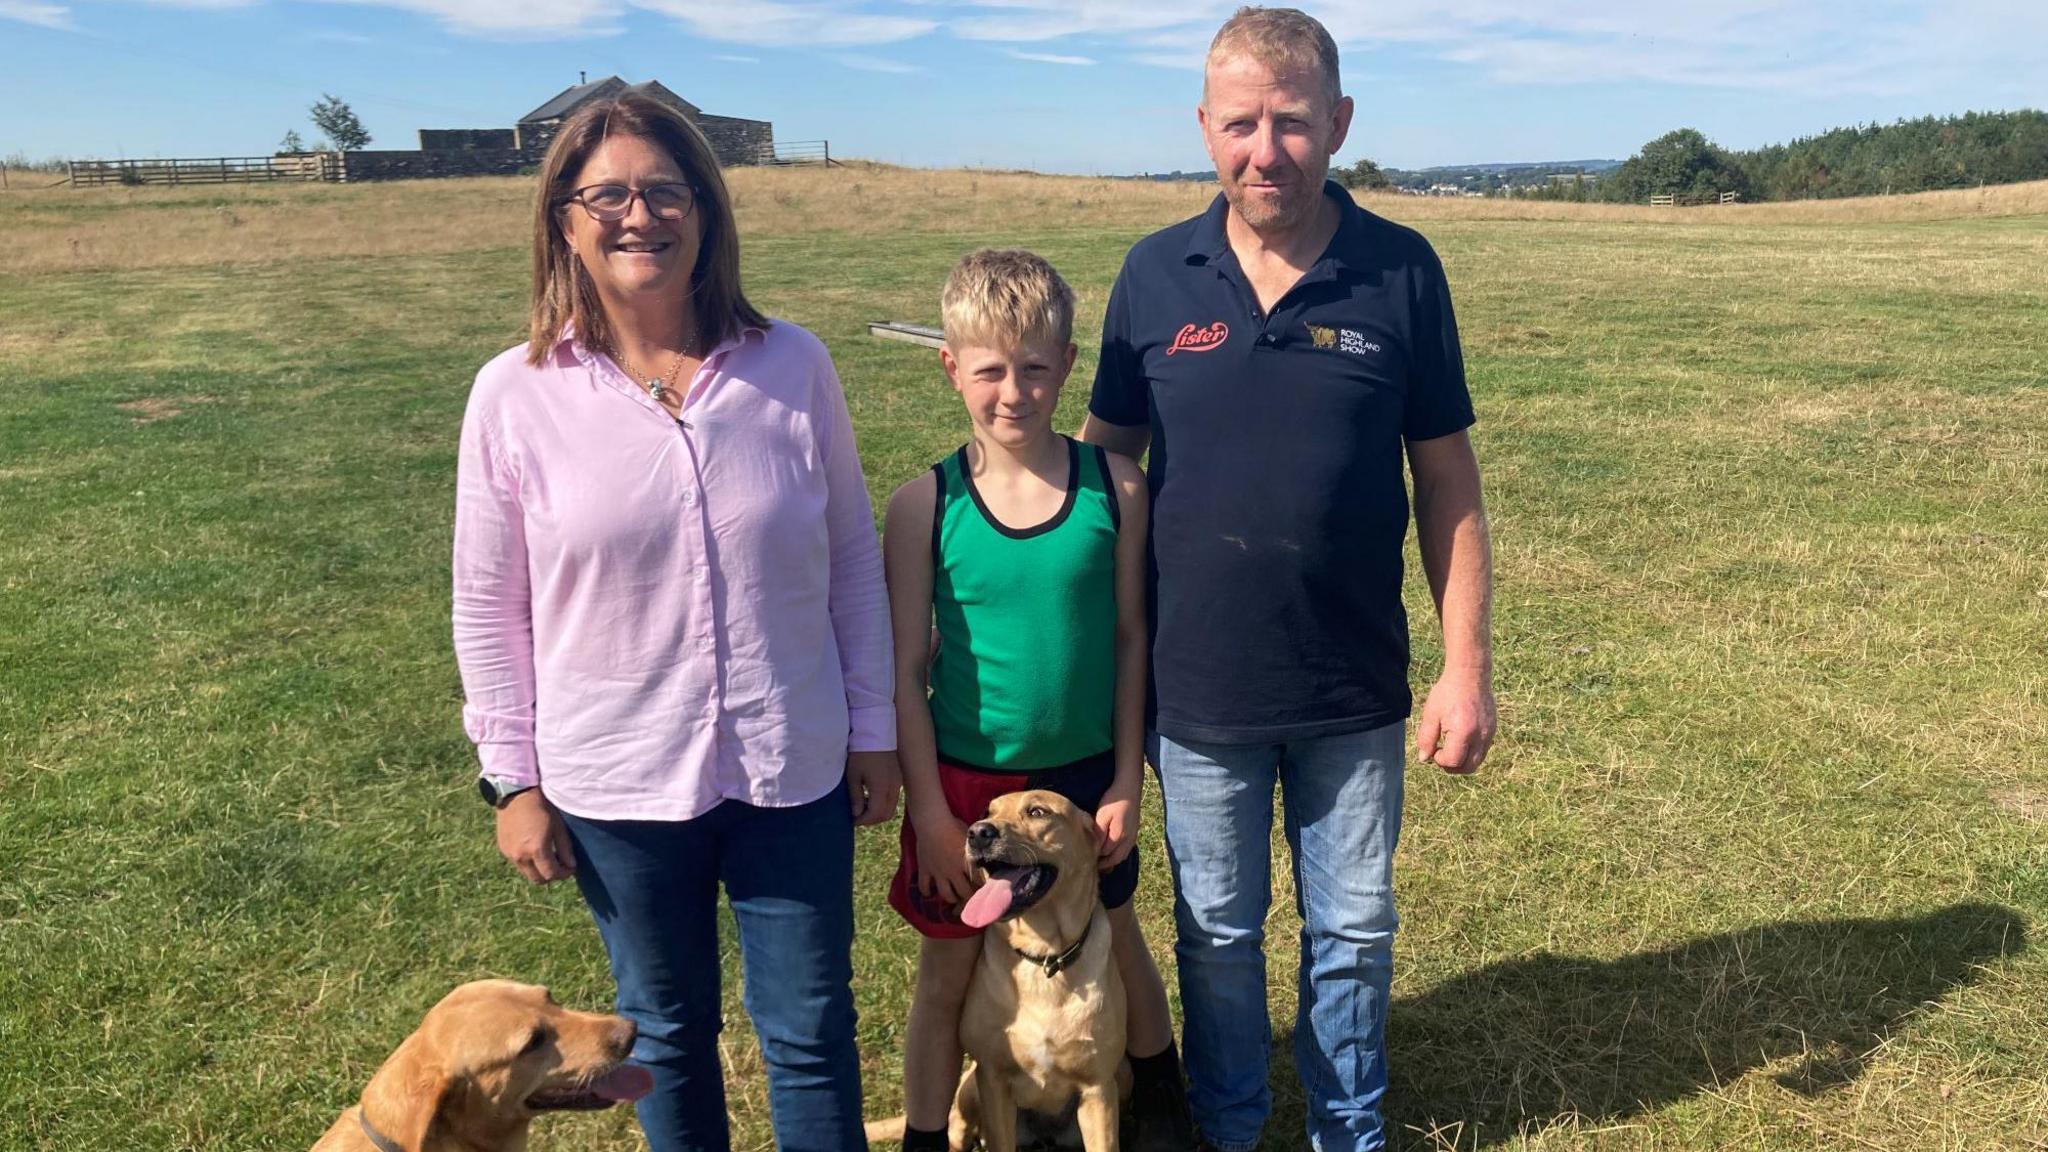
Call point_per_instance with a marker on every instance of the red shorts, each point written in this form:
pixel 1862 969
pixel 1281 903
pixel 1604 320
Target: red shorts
pixel 969 792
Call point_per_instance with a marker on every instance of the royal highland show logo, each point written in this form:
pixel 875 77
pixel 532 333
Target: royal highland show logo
pixel 1341 339
pixel 1195 339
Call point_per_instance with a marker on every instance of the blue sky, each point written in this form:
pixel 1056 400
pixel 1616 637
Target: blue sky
pixel 1056 85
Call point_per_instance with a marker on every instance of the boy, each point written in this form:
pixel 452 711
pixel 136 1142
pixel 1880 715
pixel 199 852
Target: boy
pixel 1028 549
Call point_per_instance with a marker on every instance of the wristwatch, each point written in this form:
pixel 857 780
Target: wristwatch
pixel 498 791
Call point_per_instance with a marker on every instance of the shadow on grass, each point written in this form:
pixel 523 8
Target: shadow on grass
pixel 1523 1044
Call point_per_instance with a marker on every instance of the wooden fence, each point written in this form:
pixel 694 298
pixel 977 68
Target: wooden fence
pixel 1667 200
pixel 219 170
pixel 334 167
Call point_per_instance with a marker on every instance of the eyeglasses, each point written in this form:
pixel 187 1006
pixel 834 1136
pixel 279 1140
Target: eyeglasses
pixel 609 202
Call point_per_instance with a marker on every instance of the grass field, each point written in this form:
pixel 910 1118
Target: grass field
pixel 1760 861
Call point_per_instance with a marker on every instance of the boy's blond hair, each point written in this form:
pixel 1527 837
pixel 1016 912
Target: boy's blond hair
pixel 1004 298
pixel 1284 40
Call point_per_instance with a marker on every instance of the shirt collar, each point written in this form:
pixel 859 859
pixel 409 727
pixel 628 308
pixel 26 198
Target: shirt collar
pixel 1210 241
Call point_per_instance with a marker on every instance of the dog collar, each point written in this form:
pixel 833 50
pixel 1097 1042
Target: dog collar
pixel 384 1143
pixel 1060 961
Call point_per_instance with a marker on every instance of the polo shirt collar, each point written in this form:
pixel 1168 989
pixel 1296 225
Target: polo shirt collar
pixel 1210 242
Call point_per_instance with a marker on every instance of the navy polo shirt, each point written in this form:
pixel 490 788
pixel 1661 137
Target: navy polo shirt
pixel 1279 505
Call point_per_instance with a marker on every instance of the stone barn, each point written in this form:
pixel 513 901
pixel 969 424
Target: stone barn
pixel 736 141
pixel 505 151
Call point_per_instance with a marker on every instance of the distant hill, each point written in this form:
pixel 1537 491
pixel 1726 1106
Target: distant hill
pixel 1518 166
pixel 1494 179
pixel 1478 177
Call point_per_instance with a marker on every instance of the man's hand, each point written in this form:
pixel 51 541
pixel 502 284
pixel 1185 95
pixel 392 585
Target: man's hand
pixel 1457 722
pixel 534 838
pixel 1116 826
pixel 941 855
pixel 872 781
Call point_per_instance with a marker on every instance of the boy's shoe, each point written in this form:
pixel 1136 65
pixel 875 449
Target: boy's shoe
pixel 1160 1110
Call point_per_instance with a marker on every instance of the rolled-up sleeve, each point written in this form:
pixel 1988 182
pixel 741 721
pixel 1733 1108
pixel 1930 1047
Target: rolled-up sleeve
pixel 859 601
pixel 493 613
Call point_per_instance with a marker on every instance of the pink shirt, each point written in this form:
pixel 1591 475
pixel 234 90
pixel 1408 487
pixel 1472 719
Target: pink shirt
pixel 652 617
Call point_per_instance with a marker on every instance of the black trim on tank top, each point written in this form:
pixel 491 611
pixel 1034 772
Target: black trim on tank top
pixel 1116 508
pixel 1058 518
pixel 938 513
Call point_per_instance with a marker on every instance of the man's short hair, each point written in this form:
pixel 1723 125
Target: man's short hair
pixel 1004 298
pixel 1282 39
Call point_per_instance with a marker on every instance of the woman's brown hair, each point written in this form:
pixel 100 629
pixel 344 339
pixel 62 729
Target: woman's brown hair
pixel 562 291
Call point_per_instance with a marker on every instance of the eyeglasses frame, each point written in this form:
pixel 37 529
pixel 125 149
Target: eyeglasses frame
pixel 576 197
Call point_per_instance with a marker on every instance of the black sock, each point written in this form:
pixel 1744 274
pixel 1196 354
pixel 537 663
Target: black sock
pixel 923 1140
pixel 1158 1068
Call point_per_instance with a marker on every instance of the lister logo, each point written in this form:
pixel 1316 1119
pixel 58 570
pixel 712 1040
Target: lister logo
pixel 1193 339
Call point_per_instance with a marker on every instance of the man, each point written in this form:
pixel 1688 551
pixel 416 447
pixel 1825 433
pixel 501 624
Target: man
pixel 1281 356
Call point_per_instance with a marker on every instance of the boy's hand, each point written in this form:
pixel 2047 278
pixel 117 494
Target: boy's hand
pixel 1116 827
pixel 941 856
pixel 872 781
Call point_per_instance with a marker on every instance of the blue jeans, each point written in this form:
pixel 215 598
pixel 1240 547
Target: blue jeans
pixel 1342 798
pixel 652 887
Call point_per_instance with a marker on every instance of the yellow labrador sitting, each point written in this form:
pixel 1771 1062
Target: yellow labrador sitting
pixel 1044 1018
pixel 483 1063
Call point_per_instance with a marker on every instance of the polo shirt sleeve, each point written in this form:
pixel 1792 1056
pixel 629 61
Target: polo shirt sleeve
pixel 1438 402
pixel 1121 395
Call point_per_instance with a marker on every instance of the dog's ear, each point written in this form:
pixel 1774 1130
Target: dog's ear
pixel 406 1094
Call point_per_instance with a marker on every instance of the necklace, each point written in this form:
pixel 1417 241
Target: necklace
pixel 657 386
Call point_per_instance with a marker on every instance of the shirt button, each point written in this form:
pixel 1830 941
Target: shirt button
pixel 690 496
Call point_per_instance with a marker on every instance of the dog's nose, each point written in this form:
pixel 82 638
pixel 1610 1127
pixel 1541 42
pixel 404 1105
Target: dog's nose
pixel 982 832
pixel 619 1037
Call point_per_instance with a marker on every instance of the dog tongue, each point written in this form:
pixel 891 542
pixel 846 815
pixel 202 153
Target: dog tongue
pixel 987 905
pixel 626 1083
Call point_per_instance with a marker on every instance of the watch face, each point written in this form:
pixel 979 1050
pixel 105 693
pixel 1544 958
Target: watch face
pixel 489 792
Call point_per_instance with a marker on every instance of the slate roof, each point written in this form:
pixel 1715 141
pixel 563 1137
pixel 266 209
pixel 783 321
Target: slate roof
pixel 571 98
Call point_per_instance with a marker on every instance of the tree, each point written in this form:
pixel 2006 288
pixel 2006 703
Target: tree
pixel 339 122
pixel 1683 164
pixel 1364 174
pixel 291 144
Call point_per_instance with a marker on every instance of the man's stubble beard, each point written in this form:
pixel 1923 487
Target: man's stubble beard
pixel 1285 216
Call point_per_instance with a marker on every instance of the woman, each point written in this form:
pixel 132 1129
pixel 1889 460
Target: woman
pixel 671 624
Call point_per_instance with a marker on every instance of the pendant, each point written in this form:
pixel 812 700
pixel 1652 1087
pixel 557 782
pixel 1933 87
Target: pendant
pixel 654 389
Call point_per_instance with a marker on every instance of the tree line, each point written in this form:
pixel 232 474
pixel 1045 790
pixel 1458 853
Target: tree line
pixel 1923 155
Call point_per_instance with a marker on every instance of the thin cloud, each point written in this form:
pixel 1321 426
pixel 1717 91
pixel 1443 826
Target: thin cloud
pixel 737 59
pixel 1051 58
pixel 1037 21
pixel 515 19
pixel 1794 47
pixel 772 24
pixel 52 16
pixel 1791 46
pixel 336 36
pixel 876 64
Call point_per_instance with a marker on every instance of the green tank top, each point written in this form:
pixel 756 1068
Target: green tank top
pixel 1025 677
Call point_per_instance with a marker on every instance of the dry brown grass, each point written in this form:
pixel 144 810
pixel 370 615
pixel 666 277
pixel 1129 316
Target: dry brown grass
pixel 64 229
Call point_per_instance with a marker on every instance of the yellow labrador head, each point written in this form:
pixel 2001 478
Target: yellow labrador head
pixel 1031 844
pixel 493 1053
